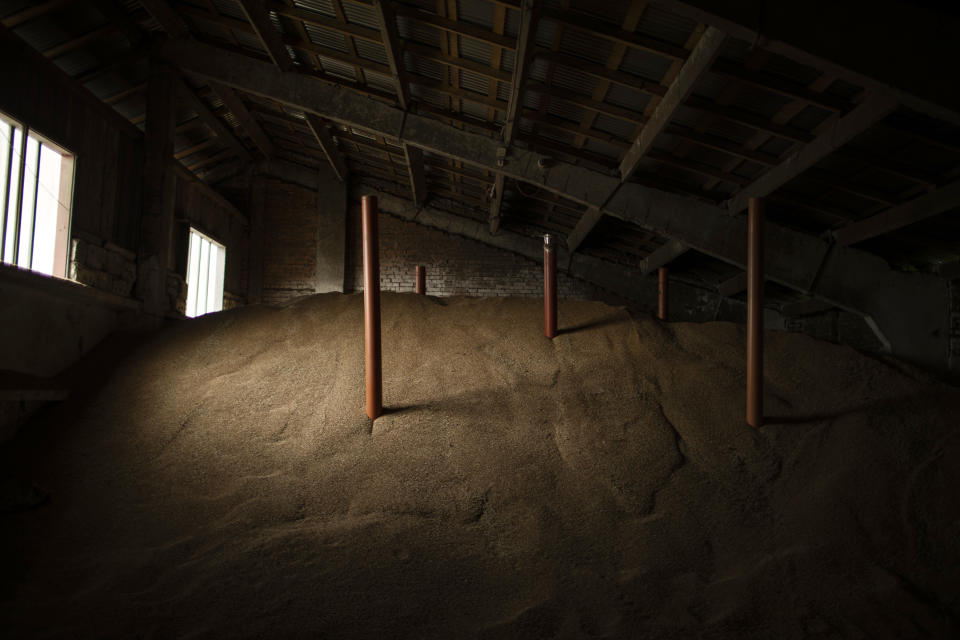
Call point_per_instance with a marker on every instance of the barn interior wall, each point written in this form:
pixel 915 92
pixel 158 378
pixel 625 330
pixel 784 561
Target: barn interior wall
pixel 455 265
pixel 53 322
pixel 198 207
pixel 298 238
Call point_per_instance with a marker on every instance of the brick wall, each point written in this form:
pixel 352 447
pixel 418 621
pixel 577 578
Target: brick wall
pixel 102 265
pixel 197 207
pixel 289 241
pixel 455 265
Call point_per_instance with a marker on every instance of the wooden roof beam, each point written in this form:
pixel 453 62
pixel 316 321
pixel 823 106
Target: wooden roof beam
pixel 702 226
pixel 175 27
pixel 216 124
pixel 699 61
pixel 329 147
pixel 926 206
pixel 524 53
pixel 273 42
pixel 876 107
pixel 270 38
pixel 733 286
pixel 670 251
pixel 32 13
pixel 391 44
pixel 458 27
pixel 584 226
pixel 522 59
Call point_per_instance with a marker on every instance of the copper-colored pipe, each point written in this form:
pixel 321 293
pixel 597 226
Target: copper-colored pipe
pixel 662 291
pixel 371 307
pixel 421 286
pixel 755 312
pixel 549 287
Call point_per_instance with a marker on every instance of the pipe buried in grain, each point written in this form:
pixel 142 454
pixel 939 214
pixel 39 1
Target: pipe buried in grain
pixel 663 290
pixel 421 282
pixel 371 308
pixel 755 215
pixel 549 287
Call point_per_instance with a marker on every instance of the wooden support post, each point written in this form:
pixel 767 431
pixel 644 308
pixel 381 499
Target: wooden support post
pixel 421 286
pixel 662 292
pixel 549 287
pixel 371 308
pixel 755 312
pixel 159 191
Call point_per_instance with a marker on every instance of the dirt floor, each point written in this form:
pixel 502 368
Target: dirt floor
pixel 221 480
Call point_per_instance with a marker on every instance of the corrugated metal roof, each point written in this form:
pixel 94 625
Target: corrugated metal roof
pixel 576 82
pixel 573 84
pixel 644 64
pixel 666 26
pixel 359 14
pixel 230 8
pixel 339 69
pixel 327 38
pixel 585 45
pixel 473 12
pixel 622 96
pixel 472 49
pixel 410 29
pixel 322 6
pixel 614 126
pixel 370 50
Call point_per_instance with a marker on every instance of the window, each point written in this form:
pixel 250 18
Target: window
pixel 36 186
pixel 204 275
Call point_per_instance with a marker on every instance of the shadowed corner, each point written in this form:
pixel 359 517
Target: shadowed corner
pixel 606 321
pixel 404 408
pixel 775 420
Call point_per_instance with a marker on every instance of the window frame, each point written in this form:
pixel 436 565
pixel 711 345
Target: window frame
pixel 17 160
pixel 219 269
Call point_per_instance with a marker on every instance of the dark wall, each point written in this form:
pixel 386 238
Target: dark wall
pixel 455 265
pixel 196 206
pixel 892 41
pixel 109 150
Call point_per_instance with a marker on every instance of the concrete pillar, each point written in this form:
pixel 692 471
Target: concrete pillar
pixel 159 190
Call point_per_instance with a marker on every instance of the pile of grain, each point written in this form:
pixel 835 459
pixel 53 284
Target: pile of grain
pixel 223 481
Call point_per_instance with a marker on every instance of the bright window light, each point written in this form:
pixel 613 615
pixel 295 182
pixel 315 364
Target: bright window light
pixel 36 185
pixel 205 275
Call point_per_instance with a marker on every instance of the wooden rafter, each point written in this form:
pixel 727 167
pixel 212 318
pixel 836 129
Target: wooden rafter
pixel 926 206
pixel 174 25
pixel 670 251
pixel 213 122
pixel 699 61
pixel 33 12
pixel 270 38
pixel 391 43
pixel 870 111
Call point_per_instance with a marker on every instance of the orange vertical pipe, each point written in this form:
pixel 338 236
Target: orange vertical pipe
pixel 755 217
pixel 662 291
pixel 421 285
pixel 371 307
pixel 549 287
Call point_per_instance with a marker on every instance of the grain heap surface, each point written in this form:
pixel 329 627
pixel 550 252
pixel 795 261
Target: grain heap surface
pixel 223 481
